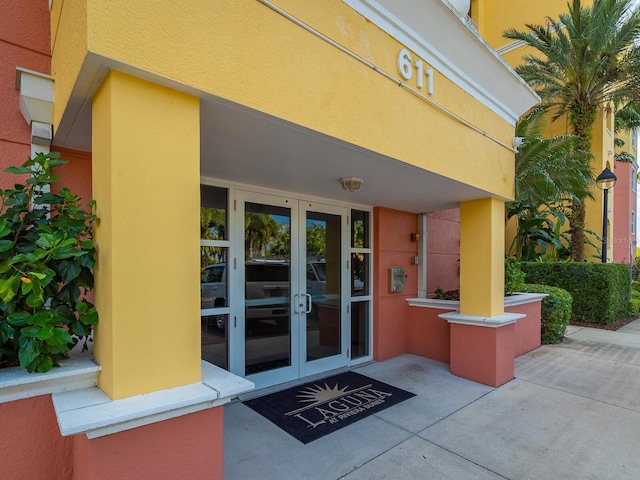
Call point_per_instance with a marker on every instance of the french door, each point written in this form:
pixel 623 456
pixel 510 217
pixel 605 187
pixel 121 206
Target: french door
pixel 295 273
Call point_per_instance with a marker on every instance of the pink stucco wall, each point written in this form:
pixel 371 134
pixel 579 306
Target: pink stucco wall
pixel 624 199
pixel 393 248
pixel 527 334
pixel 429 334
pixel 31 446
pixel 75 175
pixel 443 250
pixel 184 447
pixel 24 42
pixel 484 355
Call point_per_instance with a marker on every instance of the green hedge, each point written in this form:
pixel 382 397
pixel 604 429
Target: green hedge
pixel 600 291
pixel 634 303
pixel 556 311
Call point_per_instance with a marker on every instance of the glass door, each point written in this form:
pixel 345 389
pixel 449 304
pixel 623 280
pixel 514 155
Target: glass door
pixel 324 338
pixel 269 348
pixel 294 271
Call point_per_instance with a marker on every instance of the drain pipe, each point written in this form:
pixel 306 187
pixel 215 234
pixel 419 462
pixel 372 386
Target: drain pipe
pixel 422 255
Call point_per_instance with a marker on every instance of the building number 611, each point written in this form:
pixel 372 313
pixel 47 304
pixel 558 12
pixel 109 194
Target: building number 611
pixel 406 66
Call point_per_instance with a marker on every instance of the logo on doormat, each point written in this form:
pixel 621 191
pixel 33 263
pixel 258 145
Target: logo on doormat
pixel 335 404
pixel 315 409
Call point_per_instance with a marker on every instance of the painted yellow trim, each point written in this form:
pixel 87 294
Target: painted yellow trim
pixel 228 49
pixel 482 257
pixel 69 49
pixel 146 175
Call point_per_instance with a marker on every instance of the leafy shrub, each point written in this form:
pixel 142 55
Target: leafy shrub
pixel 556 311
pixel 600 291
pixel 635 286
pixel 513 275
pixel 636 267
pixel 46 261
pixel 634 303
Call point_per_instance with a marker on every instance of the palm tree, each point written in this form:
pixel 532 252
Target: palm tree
pixel 550 174
pixel 260 230
pixel 583 61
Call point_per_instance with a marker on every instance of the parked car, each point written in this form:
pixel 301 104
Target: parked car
pixel 266 290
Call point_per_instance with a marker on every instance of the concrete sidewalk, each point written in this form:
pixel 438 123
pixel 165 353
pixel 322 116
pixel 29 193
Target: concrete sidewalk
pixel 572 412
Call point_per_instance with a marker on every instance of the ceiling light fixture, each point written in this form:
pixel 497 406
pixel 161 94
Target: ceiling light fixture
pixel 351 183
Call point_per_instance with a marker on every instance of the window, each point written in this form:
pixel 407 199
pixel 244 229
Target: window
pixel 633 223
pixel 634 138
pixel 361 254
pixel 214 276
pixel 634 179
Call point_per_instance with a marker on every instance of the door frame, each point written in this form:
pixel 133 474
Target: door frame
pixel 299 367
pixel 235 247
pixel 237 345
pixel 342 359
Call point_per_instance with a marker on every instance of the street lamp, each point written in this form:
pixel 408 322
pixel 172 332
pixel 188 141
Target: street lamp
pixel 605 181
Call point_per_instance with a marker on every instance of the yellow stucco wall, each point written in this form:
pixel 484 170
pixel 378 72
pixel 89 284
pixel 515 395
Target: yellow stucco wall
pixel 146 340
pixel 493 17
pixel 145 185
pixel 482 257
pixel 68 49
pixel 228 49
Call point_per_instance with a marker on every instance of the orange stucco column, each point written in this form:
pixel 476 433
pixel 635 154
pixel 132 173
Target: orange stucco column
pixel 189 446
pixel 483 354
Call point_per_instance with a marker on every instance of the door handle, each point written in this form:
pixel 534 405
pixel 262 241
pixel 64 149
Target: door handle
pixel 309 303
pixel 298 304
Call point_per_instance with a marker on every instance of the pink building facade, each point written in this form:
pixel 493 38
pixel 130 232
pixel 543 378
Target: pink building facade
pixel 625 193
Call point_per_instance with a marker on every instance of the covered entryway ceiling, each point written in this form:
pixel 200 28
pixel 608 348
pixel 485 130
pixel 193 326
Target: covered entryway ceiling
pixel 250 147
pixel 245 146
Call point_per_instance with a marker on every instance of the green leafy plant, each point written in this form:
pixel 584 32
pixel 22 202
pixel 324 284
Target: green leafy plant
pixel 634 303
pixel 600 291
pixel 556 311
pixel 513 276
pixel 549 173
pixel 46 261
pixel 578 63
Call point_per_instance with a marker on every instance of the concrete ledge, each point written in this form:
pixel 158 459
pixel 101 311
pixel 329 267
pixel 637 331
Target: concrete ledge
pixel 509 301
pixel 16 383
pixel 434 303
pixel 479 321
pixel 523 298
pixel 91 412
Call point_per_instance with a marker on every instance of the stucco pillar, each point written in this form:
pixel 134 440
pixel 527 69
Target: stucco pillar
pixel 481 334
pixel 146 174
pixel 482 257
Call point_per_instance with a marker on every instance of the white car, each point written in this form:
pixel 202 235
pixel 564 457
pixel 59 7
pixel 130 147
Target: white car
pixel 266 289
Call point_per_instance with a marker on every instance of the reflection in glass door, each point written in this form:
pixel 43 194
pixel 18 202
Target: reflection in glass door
pixel 324 285
pixel 295 272
pixel 267 274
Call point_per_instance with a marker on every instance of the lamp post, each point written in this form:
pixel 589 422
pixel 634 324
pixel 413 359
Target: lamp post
pixel 605 181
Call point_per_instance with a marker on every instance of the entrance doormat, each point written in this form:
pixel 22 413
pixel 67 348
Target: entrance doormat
pixel 310 411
